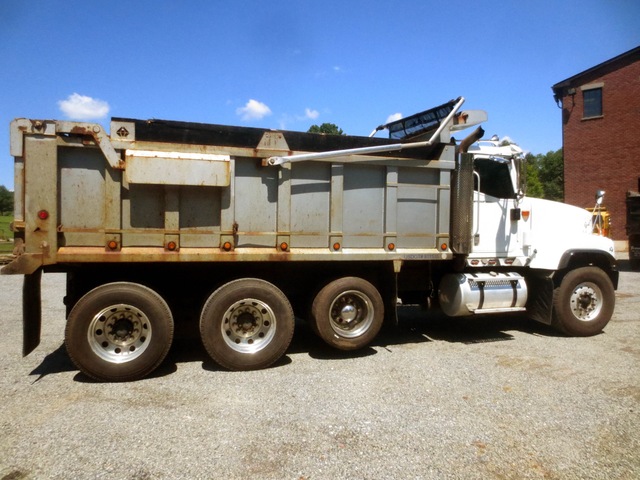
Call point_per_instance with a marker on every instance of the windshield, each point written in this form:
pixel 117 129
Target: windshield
pixel 495 178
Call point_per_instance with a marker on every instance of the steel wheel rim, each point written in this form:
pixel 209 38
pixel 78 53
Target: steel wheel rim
pixel 248 325
pixel 586 301
pixel 351 314
pixel 119 333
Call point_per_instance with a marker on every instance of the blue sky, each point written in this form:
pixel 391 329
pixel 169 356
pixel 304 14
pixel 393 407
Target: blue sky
pixel 289 65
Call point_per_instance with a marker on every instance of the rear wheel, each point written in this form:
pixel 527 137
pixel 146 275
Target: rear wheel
pixel 347 313
pixel 583 303
pixel 247 324
pixel 119 331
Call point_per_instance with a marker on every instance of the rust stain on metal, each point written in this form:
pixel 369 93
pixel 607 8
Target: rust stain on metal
pixel 18 247
pixel 79 130
pixel 17 226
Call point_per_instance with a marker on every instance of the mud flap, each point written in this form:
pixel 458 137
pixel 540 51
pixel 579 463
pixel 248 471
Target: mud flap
pixel 540 302
pixel 31 312
pixel 390 297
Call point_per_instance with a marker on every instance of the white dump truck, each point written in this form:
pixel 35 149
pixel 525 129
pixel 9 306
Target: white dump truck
pixel 160 224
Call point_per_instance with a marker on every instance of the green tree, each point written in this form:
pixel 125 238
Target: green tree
pixel 545 175
pixel 534 186
pixel 551 174
pixel 326 128
pixel 6 201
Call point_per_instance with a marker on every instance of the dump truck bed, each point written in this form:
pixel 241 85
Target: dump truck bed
pixel 168 191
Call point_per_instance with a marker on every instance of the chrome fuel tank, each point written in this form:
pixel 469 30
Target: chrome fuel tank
pixel 473 293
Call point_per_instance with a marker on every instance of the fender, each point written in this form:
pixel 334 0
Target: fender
pixel 572 259
pixel 542 283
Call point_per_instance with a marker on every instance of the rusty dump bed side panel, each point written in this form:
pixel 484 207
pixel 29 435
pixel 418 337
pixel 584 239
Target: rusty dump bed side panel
pixel 165 191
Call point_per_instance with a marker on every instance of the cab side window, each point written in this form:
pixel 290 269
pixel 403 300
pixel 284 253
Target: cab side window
pixel 495 179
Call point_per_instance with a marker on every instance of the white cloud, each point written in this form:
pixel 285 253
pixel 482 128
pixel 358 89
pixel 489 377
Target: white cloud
pixel 81 107
pixel 393 118
pixel 253 110
pixel 311 114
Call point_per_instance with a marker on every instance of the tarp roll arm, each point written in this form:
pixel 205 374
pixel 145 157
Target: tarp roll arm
pixel 368 150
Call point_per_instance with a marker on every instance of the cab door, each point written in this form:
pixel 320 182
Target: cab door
pixel 497 230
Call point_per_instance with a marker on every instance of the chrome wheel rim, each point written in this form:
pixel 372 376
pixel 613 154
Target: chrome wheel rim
pixel 586 301
pixel 248 325
pixel 351 314
pixel 119 333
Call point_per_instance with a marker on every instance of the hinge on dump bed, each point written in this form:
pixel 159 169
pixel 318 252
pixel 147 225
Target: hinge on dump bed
pixel 99 136
pixel 22 126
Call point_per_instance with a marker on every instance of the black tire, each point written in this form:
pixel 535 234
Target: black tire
pixel 347 313
pixel 119 332
pixel 247 324
pixel 583 303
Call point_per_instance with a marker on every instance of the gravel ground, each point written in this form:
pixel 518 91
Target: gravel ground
pixel 499 398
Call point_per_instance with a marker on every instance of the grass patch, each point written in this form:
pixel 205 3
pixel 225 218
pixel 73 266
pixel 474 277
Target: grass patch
pixel 6 235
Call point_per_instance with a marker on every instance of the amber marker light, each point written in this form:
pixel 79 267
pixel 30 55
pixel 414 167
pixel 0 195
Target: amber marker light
pixel 336 246
pixel 443 246
pixel 391 246
pixel 284 246
pixel 43 214
pixel 172 246
pixel 112 244
pixel 226 246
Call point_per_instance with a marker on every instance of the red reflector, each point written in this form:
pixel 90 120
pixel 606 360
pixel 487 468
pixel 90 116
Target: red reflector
pixel 43 214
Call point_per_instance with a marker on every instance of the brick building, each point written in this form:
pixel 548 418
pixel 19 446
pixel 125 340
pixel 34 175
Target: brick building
pixel 601 134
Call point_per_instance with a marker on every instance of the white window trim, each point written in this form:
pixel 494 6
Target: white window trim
pixel 591 86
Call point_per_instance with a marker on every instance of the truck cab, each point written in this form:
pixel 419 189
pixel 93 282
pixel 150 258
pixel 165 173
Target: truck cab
pixel 511 228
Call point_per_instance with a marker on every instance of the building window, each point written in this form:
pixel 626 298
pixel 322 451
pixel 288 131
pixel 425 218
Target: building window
pixel 592 102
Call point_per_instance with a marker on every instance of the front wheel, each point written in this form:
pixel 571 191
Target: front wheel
pixel 583 303
pixel 247 324
pixel 119 331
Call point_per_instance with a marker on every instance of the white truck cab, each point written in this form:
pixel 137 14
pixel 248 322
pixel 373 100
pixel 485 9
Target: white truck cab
pixel 553 240
pixel 511 228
